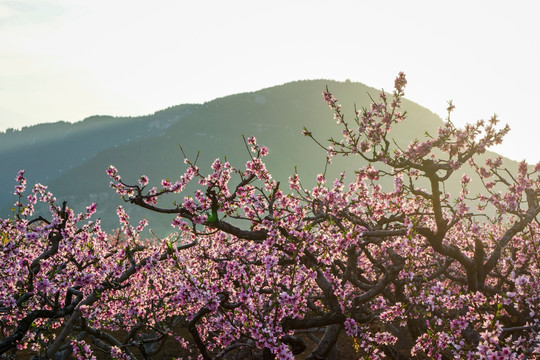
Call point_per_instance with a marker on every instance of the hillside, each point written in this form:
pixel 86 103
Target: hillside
pixel 72 158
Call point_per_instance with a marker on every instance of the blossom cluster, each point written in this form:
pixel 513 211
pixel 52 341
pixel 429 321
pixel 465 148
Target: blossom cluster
pixel 386 257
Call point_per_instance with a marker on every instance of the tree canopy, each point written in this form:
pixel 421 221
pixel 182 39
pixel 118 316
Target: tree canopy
pixel 257 267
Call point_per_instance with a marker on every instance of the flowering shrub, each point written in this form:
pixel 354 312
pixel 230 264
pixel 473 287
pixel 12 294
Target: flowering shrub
pixel 252 268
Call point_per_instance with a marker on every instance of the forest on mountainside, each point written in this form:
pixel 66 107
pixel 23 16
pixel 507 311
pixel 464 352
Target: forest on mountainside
pixel 72 158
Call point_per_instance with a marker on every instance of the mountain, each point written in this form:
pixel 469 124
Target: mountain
pixel 72 158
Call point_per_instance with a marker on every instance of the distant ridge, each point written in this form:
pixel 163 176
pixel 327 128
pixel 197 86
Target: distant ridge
pixel 72 158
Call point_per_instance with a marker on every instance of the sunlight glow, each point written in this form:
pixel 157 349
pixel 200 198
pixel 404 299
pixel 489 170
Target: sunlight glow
pixel 65 60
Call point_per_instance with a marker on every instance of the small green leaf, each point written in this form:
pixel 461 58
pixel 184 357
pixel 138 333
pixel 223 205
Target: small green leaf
pixel 170 246
pixel 212 217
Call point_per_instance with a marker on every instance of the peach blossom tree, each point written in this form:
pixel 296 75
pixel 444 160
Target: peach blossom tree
pixel 258 269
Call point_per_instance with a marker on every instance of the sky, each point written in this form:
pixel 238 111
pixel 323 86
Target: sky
pixel 67 60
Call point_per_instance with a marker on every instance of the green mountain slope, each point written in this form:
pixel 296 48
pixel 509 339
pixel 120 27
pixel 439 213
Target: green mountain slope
pixel 72 158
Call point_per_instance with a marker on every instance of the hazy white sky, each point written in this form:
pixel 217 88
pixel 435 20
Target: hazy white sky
pixel 69 59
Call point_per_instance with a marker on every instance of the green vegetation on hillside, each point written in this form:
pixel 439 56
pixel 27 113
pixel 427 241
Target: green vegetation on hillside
pixel 72 158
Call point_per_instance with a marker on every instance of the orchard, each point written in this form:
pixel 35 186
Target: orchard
pixel 262 269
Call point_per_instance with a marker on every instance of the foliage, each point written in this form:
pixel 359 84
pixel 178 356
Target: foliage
pixel 78 153
pixel 252 268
